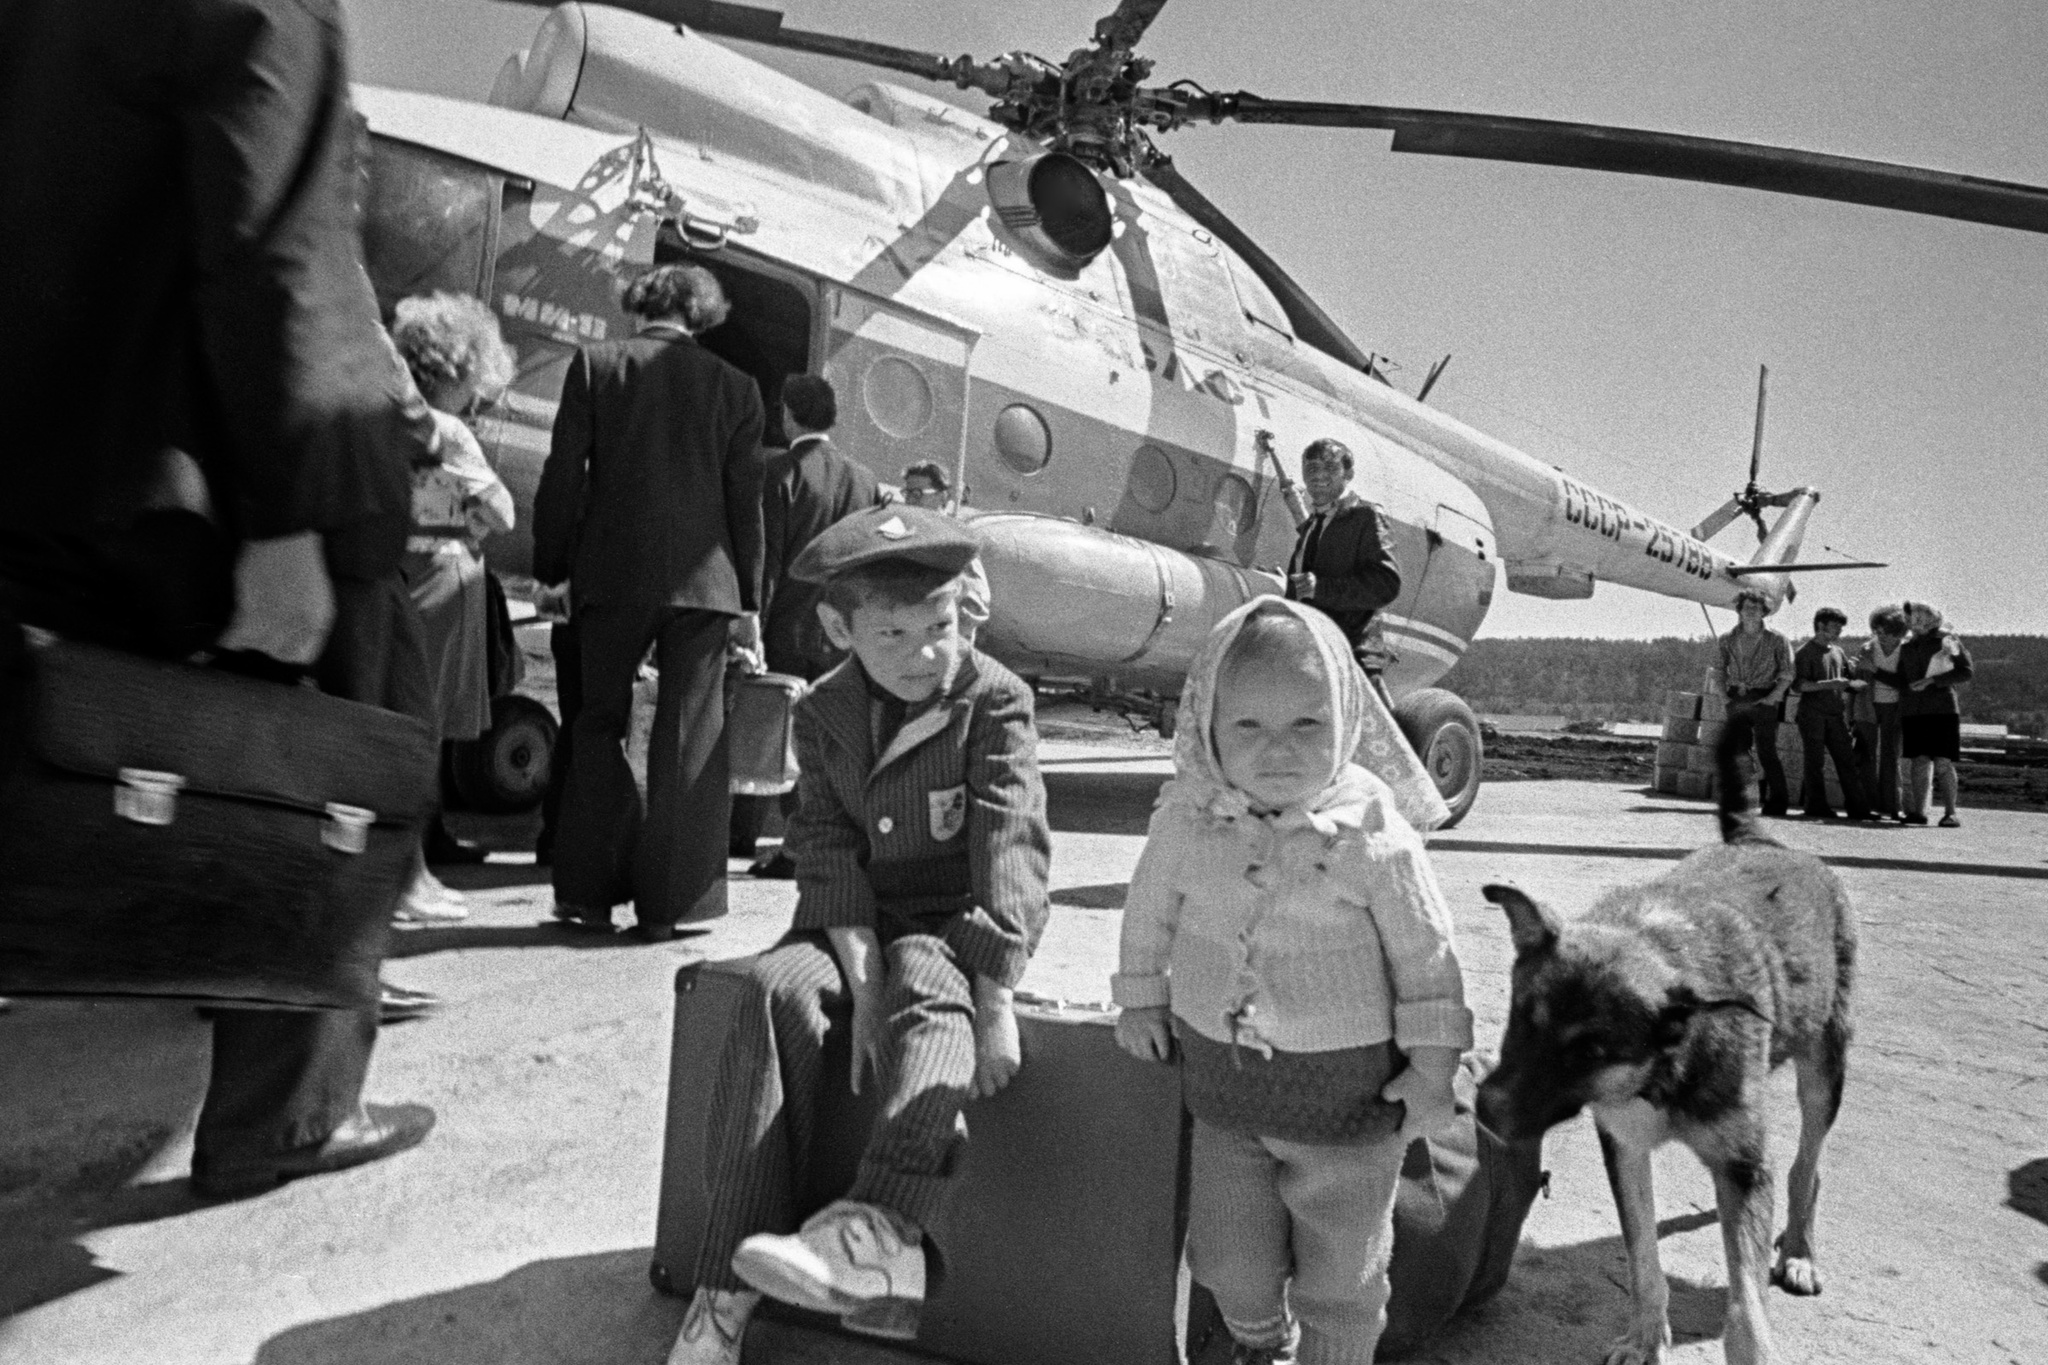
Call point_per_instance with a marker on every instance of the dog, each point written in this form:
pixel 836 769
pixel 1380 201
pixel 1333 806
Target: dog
pixel 1663 1009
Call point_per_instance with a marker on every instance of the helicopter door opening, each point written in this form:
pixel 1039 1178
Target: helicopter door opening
pixel 768 333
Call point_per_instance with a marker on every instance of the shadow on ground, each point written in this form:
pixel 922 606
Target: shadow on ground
pixel 1571 1302
pixel 572 1310
pixel 94 1093
pixel 546 934
pixel 492 876
pixel 2026 1189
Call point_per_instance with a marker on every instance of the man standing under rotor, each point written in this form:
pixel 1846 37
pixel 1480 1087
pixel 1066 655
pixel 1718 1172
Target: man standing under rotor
pixel 1341 565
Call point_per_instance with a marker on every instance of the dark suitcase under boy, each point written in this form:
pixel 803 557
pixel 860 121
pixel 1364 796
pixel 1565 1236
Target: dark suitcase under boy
pixel 1061 1245
pixel 177 831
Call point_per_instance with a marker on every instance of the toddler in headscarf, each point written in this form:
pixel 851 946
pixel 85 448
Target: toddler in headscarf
pixel 1284 927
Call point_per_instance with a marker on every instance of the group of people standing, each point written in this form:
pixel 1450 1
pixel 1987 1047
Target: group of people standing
pixel 1886 715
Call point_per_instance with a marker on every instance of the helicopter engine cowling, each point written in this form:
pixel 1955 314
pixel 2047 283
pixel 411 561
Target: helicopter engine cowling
pixel 1054 206
pixel 1070 600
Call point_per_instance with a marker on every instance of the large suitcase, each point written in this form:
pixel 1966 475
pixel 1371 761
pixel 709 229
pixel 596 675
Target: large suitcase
pixel 1061 1245
pixel 167 830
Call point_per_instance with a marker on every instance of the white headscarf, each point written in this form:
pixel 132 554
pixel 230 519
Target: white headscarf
pixel 1369 745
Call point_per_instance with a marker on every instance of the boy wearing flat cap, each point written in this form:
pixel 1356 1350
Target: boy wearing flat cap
pixel 921 854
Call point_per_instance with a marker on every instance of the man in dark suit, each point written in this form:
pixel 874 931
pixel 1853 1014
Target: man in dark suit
pixel 650 509
pixel 804 490
pixel 1341 565
pixel 206 428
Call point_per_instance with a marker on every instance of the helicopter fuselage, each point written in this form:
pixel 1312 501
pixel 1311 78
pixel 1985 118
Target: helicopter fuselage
pixel 1116 423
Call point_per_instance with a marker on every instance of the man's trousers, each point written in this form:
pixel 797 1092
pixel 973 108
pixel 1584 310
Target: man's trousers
pixel 1829 733
pixel 762 1131
pixel 288 1078
pixel 666 855
pixel 1752 724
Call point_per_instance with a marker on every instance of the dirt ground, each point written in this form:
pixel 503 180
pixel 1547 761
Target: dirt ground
pixel 519 1233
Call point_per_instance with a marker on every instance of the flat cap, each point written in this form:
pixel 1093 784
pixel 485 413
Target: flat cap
pixel 914 535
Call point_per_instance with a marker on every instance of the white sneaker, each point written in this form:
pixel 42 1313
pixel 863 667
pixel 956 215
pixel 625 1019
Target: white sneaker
pixel 429 901
pixel 848 1257
pixel 714 1327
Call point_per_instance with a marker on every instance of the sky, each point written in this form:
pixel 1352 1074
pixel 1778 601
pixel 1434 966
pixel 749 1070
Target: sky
pixel 1612 325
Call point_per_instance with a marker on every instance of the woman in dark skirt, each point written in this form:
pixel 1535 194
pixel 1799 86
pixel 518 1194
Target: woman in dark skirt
pixel 1931 666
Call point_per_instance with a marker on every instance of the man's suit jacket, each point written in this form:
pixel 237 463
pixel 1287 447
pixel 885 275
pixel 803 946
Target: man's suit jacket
pixel 1355 571
pixel 232 320
pixel 804 490
pixel 652 489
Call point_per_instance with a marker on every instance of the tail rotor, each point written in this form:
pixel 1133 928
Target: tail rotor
pixel 1752 500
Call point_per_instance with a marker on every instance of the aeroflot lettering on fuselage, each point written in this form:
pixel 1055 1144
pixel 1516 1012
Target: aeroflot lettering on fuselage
pixel 564 321
pixel 1604 516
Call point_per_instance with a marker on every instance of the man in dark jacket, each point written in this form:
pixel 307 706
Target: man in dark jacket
pixel 1341 565
pixel 204 426
pixel 804 490
pixel 650 509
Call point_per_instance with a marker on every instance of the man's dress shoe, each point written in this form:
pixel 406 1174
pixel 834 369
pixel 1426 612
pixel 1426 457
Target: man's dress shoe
pixel 376 1131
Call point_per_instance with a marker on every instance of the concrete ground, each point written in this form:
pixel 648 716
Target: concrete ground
pixel 519 1233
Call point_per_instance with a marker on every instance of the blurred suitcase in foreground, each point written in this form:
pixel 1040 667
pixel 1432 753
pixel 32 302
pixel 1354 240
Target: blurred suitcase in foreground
pixel 177 831
pixel 760 734
pixel 1061 1245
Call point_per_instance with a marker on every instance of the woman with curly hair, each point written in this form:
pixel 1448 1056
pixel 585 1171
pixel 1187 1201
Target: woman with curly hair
pixel 451 344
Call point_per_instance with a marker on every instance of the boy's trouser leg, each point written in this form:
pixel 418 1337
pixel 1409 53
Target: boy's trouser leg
pixel 760 1130
pixel 908 1162
pixel 1813 742
pixel 1835 733
pixel 1238 1234
pixel 1341 1200
pixel 1863 735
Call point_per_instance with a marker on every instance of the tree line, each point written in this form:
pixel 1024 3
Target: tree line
pixel 1627 679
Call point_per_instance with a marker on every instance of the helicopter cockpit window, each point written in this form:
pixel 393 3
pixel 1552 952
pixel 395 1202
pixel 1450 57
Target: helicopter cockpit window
pixel 427 220
pixel 1256 299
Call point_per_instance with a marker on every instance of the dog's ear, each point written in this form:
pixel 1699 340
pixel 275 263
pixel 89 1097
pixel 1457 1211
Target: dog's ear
pixel 1532 927
pixel 1682 1005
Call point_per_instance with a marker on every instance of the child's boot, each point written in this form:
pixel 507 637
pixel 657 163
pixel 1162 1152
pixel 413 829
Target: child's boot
pixel 849 1259
pixel 714 1327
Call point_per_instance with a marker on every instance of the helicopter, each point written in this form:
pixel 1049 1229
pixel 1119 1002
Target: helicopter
pixel 1038 300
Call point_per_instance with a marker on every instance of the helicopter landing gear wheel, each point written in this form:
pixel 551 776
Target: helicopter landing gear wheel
pixel 1445 735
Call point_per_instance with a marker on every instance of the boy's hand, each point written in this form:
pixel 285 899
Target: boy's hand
pixel 870 1033
pixel 860 963
pixel 1143 1032
pixel 1424 1088
pixel 998 1051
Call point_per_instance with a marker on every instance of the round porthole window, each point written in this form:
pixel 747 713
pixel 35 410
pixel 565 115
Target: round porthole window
pixel 1153 482
pixel 1022 439
pixel 898 396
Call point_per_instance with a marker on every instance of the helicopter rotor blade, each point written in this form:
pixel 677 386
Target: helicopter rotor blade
pixel 1123 28
pixel 1311 323
pixel 754 24
pixel 1717 519
pixel 1756 449
pixel 1678 156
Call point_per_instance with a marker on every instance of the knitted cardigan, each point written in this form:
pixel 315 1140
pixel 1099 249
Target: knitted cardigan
pixel 1315 930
